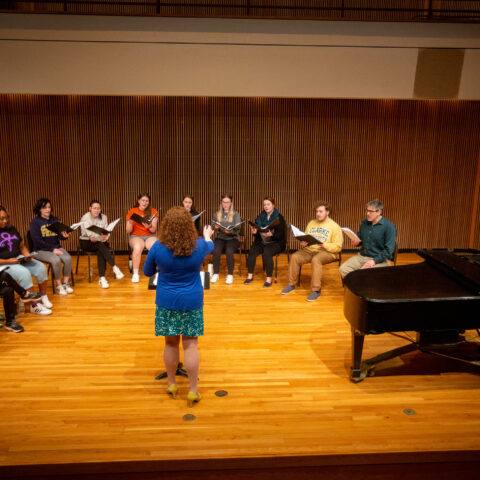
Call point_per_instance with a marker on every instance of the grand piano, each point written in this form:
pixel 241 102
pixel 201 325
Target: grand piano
pixel 438 298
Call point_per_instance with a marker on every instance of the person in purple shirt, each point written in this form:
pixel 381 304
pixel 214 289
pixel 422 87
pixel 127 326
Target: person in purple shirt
pixel 178 258
pixel 15 255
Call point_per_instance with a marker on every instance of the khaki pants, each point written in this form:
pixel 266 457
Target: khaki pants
pixel 356 263
pixel 318 259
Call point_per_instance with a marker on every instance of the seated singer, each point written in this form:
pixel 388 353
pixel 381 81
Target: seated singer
pixel 324 229
pixel 98 243
pixel 47 245
pixel 22 269
pixel 267 241
pixel 377 239
pixel 188 204
pixel 227 228
pixel 142 233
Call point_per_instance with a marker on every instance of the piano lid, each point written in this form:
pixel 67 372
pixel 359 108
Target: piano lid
pixel 457 267
pixel 443 276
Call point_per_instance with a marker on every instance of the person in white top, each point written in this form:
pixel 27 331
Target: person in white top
pixel 94 242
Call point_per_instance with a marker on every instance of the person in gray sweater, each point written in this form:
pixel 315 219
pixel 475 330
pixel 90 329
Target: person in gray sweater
pixel 226 224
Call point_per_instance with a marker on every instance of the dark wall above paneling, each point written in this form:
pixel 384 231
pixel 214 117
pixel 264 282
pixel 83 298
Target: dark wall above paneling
pixel 364 10
pixel 419 157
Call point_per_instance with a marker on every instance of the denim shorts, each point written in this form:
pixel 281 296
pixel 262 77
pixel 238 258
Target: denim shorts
pixel 144 237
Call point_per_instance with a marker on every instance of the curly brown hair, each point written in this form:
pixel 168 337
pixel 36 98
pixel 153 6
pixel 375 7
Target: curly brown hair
pixel 178 233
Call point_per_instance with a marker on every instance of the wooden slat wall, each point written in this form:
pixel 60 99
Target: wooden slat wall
pixel 419 157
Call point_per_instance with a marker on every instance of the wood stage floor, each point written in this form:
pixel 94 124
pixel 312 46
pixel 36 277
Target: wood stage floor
pixel 80 398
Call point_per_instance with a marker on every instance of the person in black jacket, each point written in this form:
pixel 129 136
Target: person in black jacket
pixel 188 203
pixel 269 239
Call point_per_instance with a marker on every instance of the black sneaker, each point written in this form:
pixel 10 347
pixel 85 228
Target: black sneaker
pixel 31 296
pixel 13 326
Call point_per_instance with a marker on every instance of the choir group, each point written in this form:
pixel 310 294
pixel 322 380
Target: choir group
pixel 21 259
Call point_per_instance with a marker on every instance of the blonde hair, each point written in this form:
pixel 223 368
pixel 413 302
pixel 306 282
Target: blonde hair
pixel 231 212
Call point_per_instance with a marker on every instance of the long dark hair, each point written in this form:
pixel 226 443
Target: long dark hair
pixel 192 199
pixel 148 210
pixel 42 203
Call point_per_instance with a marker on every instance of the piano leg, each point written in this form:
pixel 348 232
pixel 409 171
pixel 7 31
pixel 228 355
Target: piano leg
pixel 356 374
pixel 359 369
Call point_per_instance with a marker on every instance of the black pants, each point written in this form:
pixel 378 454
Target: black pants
pixel 7 280
pixel 8 302
pixel 103 254
pixel 268 250
pixel 227 246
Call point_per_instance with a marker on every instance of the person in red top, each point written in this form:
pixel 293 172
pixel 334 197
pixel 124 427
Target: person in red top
pixel 142 235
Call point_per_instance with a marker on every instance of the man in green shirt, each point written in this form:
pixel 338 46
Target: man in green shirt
pixel 377 239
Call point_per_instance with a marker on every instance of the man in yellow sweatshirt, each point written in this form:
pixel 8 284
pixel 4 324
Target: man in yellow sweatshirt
pixel 329 233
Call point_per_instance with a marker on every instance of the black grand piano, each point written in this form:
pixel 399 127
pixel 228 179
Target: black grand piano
pixel 438 298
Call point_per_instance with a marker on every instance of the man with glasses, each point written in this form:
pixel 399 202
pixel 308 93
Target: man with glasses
pixel 377 239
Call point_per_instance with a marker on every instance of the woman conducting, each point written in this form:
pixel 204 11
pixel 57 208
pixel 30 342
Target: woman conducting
pixel 178 258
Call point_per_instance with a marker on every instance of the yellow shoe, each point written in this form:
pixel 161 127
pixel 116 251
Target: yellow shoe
pixel 193 398
pixel 172 390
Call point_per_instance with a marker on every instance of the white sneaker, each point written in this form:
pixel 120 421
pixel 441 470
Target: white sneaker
pixel 67 288
pixel 118 274
pixel 229 279
pixel 39 309
pixel 135 278
pixel 46 302
pixel 103 282
pixel 214 278
pixel 60 290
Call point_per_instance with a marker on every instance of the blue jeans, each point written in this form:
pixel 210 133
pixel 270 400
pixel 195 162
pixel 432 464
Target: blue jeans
pixel 23 273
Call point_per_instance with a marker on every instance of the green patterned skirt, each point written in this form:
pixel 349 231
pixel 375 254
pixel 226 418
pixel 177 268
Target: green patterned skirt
pixel 178 322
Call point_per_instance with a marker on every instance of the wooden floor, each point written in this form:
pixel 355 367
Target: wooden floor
pixel 78 388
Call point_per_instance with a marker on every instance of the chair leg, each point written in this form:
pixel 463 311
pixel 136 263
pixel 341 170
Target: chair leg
pixel 299 276
pixel 78 259
pixel 50 271
pixel 240 263
pixel 89 270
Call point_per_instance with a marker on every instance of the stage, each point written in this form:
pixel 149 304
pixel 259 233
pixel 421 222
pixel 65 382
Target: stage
pixel 80 399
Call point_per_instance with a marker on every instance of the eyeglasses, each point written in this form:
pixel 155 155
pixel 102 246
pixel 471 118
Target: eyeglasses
pixel 371 211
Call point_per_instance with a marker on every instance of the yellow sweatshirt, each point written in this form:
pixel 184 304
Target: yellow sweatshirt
pixel 328 232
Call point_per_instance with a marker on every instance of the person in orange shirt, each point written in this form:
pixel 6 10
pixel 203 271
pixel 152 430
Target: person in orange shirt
pixel 141 235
